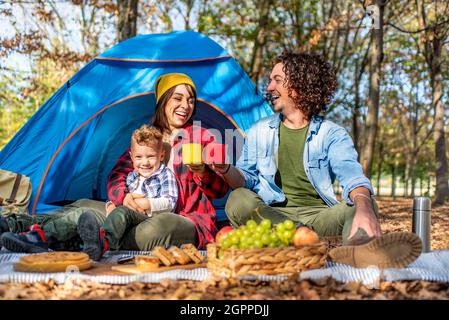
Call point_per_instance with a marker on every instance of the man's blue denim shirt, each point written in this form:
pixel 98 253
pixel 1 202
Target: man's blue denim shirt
pixel 329 154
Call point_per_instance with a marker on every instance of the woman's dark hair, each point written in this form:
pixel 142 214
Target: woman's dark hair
pixel 160 119
pixel 312 78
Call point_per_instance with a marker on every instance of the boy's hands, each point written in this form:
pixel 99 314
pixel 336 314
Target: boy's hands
pixel 131 203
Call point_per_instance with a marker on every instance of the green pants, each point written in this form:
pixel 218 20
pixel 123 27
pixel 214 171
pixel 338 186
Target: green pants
pixel 130 230
pixel 64 227
pixel 333 221
pixel 60 226
pixel 55 222
pixel 22 222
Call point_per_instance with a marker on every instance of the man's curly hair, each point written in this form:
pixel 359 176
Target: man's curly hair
pixel 312 78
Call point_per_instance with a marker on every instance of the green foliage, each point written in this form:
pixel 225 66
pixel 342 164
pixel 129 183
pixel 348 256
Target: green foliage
pixel 14 109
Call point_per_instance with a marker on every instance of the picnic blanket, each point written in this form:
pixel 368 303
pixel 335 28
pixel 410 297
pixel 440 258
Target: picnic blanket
pixel 433 266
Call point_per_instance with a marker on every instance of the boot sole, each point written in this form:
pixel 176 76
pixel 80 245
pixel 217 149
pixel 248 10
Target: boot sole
pixel 89 232
pixel 12 243
pixel 392 250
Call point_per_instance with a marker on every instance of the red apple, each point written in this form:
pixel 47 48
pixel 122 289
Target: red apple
pixel 222 232
pixel 305 236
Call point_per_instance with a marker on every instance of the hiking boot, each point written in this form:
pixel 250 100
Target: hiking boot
pixel 4 227
pixel 391 250
pixel 90 232
pixel 33 241
pixel 74 244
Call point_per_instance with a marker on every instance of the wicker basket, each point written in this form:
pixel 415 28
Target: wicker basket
pixel 266 261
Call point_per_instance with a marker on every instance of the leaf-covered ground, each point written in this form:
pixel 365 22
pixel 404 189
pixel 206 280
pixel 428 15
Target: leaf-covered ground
pixel 396 215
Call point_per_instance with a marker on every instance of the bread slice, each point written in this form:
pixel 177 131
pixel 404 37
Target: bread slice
pixel 180 256
pixel 193 253
pixel 59 261
pixel 147 262
pixel 165 256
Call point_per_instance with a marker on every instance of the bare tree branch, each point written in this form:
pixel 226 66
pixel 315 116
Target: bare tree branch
pixel 419 30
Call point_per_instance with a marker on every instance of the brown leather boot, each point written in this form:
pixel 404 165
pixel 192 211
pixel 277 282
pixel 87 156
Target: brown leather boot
pixel 391 250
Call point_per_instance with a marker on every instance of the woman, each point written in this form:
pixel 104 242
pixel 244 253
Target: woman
pixel 195 221
pixel 197 184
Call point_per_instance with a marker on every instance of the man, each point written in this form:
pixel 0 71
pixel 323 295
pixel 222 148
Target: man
pixel 290 160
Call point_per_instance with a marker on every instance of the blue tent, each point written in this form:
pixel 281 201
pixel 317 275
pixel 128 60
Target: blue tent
pixel 72 142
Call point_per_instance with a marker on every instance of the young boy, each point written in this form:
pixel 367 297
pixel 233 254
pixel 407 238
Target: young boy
pixel 147 142
pixel 150 178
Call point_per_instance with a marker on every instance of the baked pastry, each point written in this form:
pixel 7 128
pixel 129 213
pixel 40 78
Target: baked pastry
pixel 193 253
pixel 165 256
pixel 180 256
pixel 57 261
pixel 146 262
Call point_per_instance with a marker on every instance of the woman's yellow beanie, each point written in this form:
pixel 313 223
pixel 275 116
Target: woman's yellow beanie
pixel 170 80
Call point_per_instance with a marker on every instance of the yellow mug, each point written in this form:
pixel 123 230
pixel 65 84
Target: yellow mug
pixel 192 153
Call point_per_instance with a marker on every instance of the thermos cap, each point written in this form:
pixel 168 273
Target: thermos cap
pixel 421 203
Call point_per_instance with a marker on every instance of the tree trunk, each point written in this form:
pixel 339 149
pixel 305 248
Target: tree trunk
pixel 442 189
pixel 189 6
pixel 420 187
pixel 375 68
pixel 202 13
pixel 393 182
pixel 413 174
pixel 127 19
pixel 255 67
pixel 415 148
pixel 432 50
pixel 356 113
pixel 356 127
pixel 407 174
pixel 379 167
pixel 405 183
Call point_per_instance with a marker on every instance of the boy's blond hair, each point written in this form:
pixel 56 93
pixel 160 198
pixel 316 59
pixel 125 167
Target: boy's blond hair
pixel 147 135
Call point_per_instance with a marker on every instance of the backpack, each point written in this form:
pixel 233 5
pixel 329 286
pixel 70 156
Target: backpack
pixel 15 192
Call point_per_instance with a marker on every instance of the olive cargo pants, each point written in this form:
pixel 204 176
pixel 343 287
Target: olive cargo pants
pixel 324 220
pixel 130 230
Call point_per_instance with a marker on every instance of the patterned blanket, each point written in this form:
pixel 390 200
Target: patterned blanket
pixel 433 266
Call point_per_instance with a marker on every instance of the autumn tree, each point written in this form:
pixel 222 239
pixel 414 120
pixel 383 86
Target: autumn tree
pixel 434 35
pixel 375 71
pixel 126 19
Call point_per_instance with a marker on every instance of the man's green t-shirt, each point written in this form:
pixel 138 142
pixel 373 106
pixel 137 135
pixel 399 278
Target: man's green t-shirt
pixel 291 176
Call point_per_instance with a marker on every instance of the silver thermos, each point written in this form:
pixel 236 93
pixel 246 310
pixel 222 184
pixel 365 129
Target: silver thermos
pixel 421 221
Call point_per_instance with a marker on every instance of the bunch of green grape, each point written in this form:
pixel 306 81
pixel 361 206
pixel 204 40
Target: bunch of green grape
pixel 263 235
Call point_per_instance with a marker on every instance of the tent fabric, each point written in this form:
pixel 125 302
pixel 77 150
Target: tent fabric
pixel 72 142
pixel 137 48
